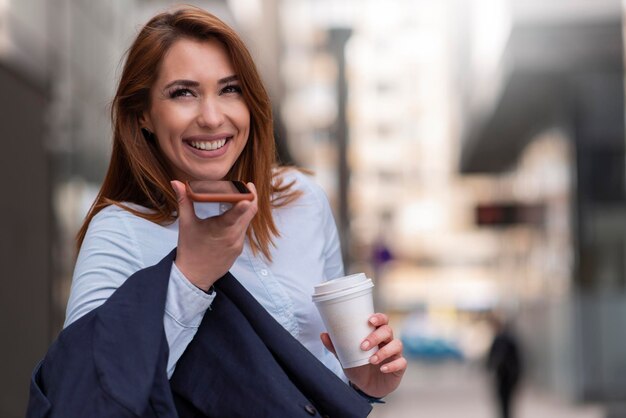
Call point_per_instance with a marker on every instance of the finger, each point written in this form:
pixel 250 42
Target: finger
pixel 327 342
pixel 254 204
pixel 238 217
pixel 250 212
pixel 379 319
pixel 247 210
pixel 186 213
pixel 394 348
pixel 252 188
pixel 242 211
pixel 396 366
pixel 236 210
pixel 382 334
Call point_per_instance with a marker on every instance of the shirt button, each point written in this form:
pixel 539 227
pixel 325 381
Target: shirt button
pixel 310 409
pixel 264 272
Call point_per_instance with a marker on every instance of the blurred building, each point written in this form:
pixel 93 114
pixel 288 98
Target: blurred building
pixel 456 110
pixel 545 122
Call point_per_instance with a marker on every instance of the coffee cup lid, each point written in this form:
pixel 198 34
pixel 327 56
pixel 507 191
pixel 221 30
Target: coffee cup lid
pixel 352 291
pixel 340 283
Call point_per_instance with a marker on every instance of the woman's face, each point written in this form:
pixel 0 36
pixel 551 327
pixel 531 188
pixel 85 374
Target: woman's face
pixel 197 111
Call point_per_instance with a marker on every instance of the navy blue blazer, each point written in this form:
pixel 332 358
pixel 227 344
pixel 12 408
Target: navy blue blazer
pixel 241 363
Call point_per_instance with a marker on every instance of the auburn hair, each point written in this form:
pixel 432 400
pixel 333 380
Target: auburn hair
pixel 138 171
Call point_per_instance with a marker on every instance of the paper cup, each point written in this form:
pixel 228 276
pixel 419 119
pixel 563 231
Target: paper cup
pixel 345 305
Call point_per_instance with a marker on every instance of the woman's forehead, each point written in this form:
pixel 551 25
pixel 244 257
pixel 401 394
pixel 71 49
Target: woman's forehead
pixel 196 60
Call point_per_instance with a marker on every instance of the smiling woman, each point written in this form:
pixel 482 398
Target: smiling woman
pixel 139 338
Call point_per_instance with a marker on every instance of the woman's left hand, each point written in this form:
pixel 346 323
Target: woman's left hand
pixel 387 366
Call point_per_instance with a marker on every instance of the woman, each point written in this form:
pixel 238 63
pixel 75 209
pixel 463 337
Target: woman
pixel 191 106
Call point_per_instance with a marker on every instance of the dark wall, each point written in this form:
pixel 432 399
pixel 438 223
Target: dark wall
pixel 24 243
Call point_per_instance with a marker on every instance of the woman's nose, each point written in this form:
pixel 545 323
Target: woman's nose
pixel 210 114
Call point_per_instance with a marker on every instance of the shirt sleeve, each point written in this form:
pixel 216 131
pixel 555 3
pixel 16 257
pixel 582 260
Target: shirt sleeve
pixel 184 309
pixel 109 255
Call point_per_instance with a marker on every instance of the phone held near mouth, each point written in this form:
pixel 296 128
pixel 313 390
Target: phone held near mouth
pixel 225 191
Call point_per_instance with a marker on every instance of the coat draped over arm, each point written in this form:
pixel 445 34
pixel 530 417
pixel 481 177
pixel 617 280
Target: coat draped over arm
pixel 241 363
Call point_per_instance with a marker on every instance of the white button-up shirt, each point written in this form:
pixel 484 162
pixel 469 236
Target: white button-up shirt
pixel 307 252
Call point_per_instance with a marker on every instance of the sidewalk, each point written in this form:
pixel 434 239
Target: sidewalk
pixel 457 390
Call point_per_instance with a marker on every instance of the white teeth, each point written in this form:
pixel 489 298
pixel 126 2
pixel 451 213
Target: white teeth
pixel 210 145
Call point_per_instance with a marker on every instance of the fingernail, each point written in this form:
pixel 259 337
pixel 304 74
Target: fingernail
pixel 373 320
pixel 374 359
pixel 175 189
pixel 384 369
pixel 365 345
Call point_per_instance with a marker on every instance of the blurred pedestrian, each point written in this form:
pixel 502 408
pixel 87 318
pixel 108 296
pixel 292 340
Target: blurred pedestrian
pixel 505 364
pixel 156 323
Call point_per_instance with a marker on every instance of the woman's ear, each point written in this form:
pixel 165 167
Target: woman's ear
pixel 145 122
pixel 146 127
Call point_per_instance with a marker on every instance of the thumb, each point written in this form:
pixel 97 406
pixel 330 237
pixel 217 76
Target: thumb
pixel 327 342
pixel 185 206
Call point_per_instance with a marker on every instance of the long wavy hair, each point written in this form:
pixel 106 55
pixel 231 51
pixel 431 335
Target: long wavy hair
pixel 138 171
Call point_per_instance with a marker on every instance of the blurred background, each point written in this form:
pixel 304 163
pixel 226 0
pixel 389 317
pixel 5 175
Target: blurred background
pixel 473 152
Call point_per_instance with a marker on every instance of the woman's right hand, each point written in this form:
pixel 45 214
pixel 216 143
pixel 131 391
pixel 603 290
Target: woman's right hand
pixel 207 248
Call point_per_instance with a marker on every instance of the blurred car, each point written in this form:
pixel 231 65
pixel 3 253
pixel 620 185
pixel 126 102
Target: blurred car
pixel 428 348
pixel 423 339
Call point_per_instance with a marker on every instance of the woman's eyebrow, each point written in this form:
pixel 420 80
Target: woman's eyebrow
pixel 184 83
pixel 228 79
pixel 192 83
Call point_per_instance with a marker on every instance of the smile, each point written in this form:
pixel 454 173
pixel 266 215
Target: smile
pixel 208 145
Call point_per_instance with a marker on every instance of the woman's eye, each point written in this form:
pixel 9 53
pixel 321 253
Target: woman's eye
pixel 233 88
pixel 181 93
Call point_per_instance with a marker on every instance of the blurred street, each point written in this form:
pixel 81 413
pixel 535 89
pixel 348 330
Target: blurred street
pixel 452 390
pixel 473 153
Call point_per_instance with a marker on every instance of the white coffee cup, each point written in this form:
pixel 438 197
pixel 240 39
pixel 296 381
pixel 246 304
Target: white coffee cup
pixel 345 304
